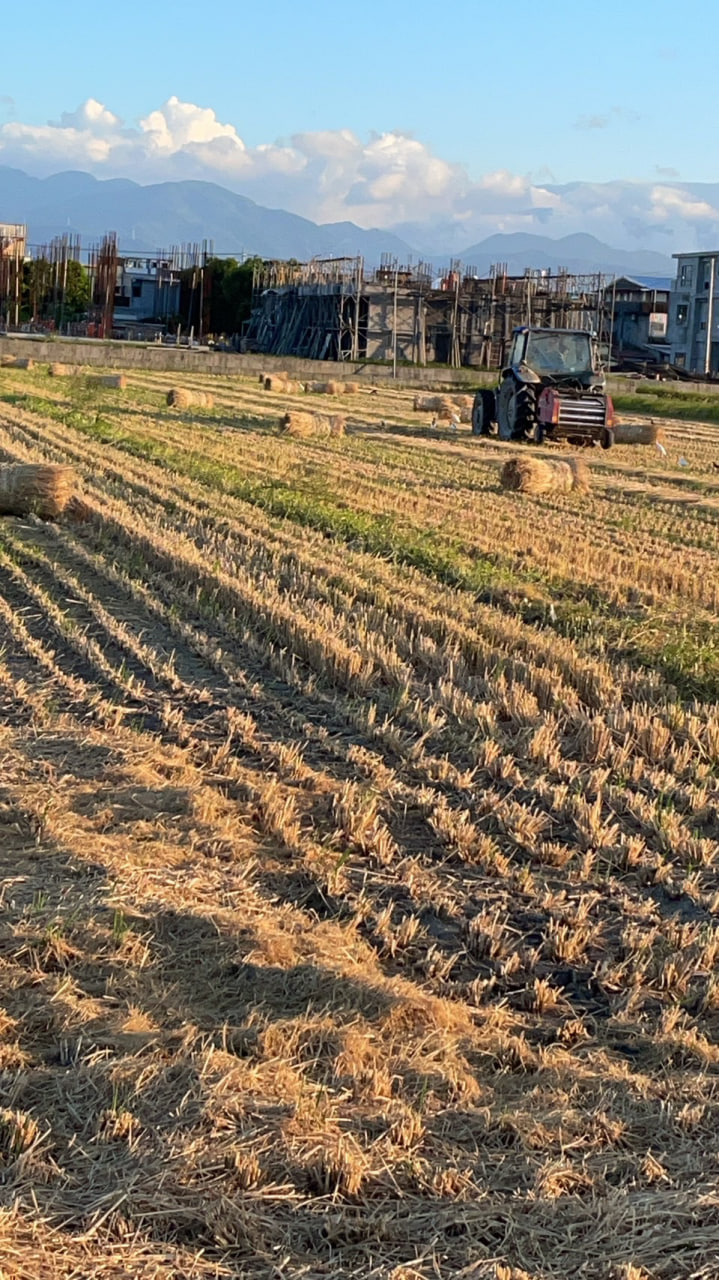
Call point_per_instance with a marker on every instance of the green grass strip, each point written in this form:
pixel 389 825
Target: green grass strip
pixel 689 659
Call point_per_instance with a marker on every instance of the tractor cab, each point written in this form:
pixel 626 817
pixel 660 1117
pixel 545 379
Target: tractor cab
pixel 556 355
pixel 551 388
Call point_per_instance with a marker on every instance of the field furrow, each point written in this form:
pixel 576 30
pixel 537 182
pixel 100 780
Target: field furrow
pixel 359 834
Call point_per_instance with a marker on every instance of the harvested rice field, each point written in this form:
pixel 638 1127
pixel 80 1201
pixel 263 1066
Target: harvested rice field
pixel 359 833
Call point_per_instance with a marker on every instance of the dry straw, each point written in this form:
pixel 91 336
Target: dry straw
pixel 431 404
pixel 637 433
pixel 180 398
pixel 306 425
pixel 36 489
pixel 281 383
pixel 328 388
pixel 17 362
pixel 63 370
pixel 544 475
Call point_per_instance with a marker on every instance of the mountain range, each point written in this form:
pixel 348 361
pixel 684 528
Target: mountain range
pixel 147 218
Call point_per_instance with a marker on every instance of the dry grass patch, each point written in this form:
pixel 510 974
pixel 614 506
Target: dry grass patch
pixel 359 904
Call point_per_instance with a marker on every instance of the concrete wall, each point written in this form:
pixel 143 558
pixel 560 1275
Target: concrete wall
pixel 127 355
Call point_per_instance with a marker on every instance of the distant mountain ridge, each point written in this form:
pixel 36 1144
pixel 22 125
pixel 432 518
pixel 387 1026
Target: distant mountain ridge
pixel 152 217
pixel 580 253
pixel 147 218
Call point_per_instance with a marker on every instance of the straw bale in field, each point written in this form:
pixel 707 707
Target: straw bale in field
pixel 446 409
pixel 63 370
pixel 429 404
pixel 326 388
pixel 306 425
pixel 181 398
pixel 637 433
pixel 351 388
pixel 280 382
pixel 545 475
pixel 116 380
pixel 280 373
pixel 464 406
pixel 17 362
pixel 39 489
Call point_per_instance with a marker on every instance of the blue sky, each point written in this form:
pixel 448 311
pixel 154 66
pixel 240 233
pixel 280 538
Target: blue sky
pixel 488 85
pixel 461 119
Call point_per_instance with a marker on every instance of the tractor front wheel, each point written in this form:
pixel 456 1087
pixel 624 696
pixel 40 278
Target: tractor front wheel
pixel 483 414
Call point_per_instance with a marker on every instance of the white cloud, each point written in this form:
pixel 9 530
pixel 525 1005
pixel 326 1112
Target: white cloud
pixel 387 179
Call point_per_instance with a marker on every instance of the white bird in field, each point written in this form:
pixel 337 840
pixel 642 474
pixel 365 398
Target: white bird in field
pixel 660 448
pixel 683 462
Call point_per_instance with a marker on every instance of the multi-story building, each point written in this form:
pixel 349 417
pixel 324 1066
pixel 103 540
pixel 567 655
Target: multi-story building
pixel 146 289
pixel 639 310
pixel 693 331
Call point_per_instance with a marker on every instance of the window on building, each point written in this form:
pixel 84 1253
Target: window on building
pixel 685 274
pixel 680 359
pixel 137 288
pixel 682 313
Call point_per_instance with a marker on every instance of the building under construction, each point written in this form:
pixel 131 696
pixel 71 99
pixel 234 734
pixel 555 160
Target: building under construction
pixel 13 245
pixel 333 310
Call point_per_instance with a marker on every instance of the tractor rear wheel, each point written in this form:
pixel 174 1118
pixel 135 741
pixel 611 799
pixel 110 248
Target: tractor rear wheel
pixel 516 411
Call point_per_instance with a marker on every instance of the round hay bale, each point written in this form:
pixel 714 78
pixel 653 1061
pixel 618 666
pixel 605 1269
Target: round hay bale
pixel 326 388
pixel 7 362
pixel 351 388
pixel 445 409
pixel 537 476
pixel 283 385
pixel 21 362
pixel 296 423
pixel 62 370
pixel 181 398
pixel 39 489
pixel 307 425
pixel 429 403
pixel 637 433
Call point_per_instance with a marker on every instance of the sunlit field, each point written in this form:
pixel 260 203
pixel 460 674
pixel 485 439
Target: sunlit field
pixel 359 828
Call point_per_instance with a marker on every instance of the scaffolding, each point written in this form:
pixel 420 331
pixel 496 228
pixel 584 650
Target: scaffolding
pixel 331 309
pixel 13 244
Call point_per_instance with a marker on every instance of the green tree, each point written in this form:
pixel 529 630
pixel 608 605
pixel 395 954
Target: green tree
pixel 225 295
pixel 59 292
